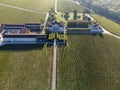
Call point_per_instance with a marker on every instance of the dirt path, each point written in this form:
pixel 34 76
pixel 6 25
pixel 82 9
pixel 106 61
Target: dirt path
pixel 11 6
pixel 54 68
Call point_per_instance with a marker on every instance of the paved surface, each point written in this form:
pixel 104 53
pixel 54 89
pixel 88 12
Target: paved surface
pixel 104 30
pixel 107 32
pixel 54 68
pixel 11 6
pixel 47 15
pixel 56 6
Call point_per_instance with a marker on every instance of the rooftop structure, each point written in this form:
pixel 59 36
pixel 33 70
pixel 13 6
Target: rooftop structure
pixel 21 34
pixel 77 24
pixel 82 27
pixel 56 26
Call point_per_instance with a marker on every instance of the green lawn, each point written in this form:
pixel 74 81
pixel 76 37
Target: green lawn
pixel 89 63
pixel 25 67
pixel 69 6
pixel 37 5
pixel 108 24
pixel 11 15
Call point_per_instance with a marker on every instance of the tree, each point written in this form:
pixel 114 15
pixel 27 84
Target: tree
pixel 75 14
pixel 62 14
pixel 79 17
pixel 52 11
pixel 52 15
pixel 89 19
pixel 66 16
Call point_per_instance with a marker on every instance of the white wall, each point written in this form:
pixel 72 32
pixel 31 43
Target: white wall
pixel 19 39
pixel 61 29
pixel 1 38
pixel 96 31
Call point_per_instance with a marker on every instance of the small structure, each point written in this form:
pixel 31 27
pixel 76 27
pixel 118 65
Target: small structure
pixel 95 29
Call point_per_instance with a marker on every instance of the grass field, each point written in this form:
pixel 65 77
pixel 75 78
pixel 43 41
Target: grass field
pixel 25 67
pixel 69 6
pixel 108 24
pixel 37 5
pixel 89 63
pixel 11 15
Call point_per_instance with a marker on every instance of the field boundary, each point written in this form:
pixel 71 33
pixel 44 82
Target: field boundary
pixel 20 8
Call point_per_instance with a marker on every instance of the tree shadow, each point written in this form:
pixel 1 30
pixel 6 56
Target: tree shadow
pixel 19 47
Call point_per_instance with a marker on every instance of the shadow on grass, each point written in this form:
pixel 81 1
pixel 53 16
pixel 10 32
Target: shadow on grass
pixel 100 35
pixel 22 47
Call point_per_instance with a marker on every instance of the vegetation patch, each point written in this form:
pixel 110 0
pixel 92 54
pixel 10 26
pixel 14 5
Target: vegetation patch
pixel 89 63
pixel 61 37
pixel 69 6
pixel 11 15
pixel 36 5
pixel 25 67
pixel 51 36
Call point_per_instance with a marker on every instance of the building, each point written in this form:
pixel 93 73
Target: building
pixel 95 29
pixel 56 27
pixel 22 34
pixel 83 27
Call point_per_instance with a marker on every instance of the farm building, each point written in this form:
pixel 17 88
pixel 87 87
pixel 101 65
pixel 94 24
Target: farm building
pixel 82 27
pixel 21 34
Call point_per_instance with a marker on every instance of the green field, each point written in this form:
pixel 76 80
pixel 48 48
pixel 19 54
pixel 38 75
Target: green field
pixel 89 63
pixel 11 15
pixel 108 24
pixel 37 5
pixel 69 6
pixel 25 67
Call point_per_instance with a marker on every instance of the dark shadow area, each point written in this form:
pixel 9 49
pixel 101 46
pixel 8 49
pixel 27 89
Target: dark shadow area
pixel 19 47
pixel 78 34
pixel 100 35
pixel 95 35
pixel 49 45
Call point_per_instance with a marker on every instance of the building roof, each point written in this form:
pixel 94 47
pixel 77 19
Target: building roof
pixel 79 21
pixel 25 36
